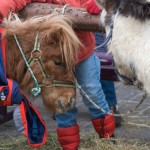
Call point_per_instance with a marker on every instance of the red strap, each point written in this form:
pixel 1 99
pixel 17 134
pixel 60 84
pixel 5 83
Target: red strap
pixel 2 30
pixel 10 82
pixel 10 85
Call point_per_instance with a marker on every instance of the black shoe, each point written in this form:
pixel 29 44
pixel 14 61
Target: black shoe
pixel 118 118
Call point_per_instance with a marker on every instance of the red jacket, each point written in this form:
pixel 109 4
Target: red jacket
pixel 87 38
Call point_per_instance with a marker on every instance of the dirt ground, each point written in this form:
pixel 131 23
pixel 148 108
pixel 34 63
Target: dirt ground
pixel 136 126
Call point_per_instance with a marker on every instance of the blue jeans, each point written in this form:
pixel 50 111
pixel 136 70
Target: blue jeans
pixel 107 86
pixel 109 91
pixel 88 77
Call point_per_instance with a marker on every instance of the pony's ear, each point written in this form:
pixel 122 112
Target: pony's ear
pixel 57 34
pixel 52 35
pixel 108 5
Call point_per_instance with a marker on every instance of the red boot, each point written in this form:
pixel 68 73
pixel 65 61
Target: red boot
pixel 105 127
pixel 69 138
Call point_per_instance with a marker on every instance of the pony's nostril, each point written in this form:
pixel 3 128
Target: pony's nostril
pixel 64 106
pixel 61 104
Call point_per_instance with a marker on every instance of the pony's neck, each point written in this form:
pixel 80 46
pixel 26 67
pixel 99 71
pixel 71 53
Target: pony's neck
pixel 15 66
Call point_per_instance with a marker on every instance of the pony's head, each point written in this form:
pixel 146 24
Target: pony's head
pixel 108 13
pixel 50 48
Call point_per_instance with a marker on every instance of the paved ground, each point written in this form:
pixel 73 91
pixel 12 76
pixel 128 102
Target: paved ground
pixel 138 126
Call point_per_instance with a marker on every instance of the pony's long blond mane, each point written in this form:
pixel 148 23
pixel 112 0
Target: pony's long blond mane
pixel 69 42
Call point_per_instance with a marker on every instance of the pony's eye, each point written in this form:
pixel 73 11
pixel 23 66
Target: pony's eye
pixel 57 62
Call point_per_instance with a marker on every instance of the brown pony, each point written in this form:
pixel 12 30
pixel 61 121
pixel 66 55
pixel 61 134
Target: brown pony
pixel 51 62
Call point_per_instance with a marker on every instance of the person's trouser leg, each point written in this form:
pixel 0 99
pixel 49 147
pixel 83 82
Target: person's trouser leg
pixel 68 130
pixel 88 77
pixel 109 91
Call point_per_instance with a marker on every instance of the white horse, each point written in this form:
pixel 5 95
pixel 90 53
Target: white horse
pixel 129 22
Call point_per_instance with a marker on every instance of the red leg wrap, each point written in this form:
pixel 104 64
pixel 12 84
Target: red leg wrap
pixel 69 138
pixel 105 127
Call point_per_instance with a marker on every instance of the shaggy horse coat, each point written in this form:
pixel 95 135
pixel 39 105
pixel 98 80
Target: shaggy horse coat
pixel 58 53
pixel 130 44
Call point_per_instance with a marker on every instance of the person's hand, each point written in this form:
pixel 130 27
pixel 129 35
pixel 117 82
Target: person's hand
pixel 92 8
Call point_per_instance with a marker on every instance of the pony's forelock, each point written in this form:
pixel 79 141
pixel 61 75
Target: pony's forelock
pixel 69 42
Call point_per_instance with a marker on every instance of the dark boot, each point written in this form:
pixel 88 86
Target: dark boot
pixel 69 138
pixel 118 119
pixel 105 127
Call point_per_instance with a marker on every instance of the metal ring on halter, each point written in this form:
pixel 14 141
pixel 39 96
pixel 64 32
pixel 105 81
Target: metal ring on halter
pixel 36 91
pixel 46 84
pixel 36 57
pixel 63 9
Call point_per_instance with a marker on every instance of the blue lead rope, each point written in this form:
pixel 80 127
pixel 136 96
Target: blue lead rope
pixel 36 90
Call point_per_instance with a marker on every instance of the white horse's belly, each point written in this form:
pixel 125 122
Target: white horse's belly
pixel 130 45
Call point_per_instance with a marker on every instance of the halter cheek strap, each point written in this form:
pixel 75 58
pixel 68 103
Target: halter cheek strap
pixel 36 90
pixel 36 57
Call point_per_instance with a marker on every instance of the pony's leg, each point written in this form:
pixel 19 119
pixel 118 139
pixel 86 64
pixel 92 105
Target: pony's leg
pixel 88 76
pixel 68 130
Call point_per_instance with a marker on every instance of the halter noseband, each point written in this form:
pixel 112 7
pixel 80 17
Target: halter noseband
pixel 48 81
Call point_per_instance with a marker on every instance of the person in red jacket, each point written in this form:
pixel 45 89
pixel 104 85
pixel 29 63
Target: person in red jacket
pixel 88 77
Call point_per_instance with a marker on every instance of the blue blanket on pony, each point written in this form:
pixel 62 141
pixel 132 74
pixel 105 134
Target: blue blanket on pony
pixel 32 124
